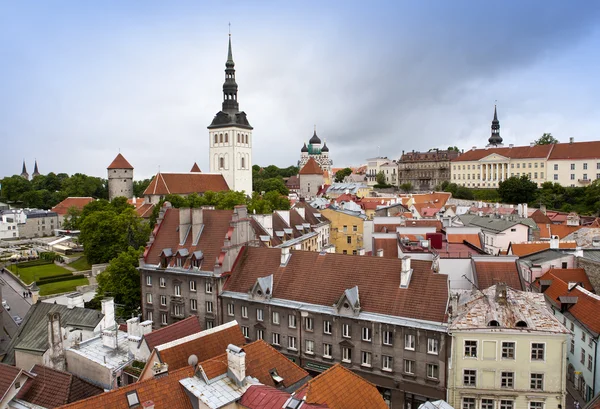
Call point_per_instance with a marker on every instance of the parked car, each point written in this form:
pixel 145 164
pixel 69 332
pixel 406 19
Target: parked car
pixel 5 305
pixel 18 320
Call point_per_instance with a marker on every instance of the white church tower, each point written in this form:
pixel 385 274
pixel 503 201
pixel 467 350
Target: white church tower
pixel 230 136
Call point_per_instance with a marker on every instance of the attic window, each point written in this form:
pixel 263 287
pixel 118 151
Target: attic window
pixel 132 399
pixel 346 305
pixel 521 324
pixel 275 376
pixel 293 403
pixel 493 323
pixel 259 292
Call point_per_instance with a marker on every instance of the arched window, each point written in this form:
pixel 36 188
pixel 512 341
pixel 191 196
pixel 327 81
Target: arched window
pixel 226 138
pixel 493 323
pixel 221 138
pixel 238 138
pixel 216 138
pixel 521 324
pixel 243 165
pixel 246 139
pixel 221 163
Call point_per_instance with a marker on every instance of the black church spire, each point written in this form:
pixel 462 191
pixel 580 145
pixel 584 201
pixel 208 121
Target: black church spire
pixel 230 88
pixel 495 138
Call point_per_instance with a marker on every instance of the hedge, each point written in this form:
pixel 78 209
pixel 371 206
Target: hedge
pixel 57 279
pixel 33 263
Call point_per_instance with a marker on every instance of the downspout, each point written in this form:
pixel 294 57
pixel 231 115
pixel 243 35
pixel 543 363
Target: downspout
pixel 595 369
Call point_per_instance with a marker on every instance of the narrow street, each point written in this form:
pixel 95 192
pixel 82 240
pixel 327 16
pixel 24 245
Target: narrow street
pixel 12 293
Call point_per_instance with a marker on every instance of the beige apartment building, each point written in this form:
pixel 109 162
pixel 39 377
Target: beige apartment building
pixel 508 352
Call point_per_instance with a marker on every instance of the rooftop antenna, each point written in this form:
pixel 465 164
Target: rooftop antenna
pixel 473 284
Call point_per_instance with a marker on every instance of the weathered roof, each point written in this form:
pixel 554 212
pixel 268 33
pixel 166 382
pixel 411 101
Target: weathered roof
pixel 425 298
pixel 261 358
pixel 311 168
pixel 69 202
pixel 267 397
pixel 186 183
pixel 340 388
pixel 164 391
pixel 120 163
pixel 51 388
pixel 489 223
pixel 32 334
pixel 519 306
pixel 8 376
pixel 183 328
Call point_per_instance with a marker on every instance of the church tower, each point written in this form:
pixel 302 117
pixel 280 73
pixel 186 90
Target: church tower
pixel 495 139
pixel 230 133
pixel 120 178
pixel 24 173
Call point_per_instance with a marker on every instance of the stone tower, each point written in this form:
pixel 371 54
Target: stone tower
pixel 120 178
pixel 230 133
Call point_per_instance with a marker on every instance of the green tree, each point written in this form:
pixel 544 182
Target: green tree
pixel 273 184
pixel 121 280
pixel 546 139
pixel 517 190
pixel 341 174
pixel 380 178
pixel 13 187
pixel 72 218
pixel 139 186
pixel 406 187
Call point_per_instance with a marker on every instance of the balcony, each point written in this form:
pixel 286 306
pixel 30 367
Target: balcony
pixel 584 181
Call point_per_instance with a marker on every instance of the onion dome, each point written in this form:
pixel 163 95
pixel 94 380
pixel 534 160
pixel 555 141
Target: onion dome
pixel 325 148
pixel 304 148
pixel 315 139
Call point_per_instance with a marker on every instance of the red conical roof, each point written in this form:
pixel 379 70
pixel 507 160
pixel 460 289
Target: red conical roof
pixel 311 168
pixel 120 163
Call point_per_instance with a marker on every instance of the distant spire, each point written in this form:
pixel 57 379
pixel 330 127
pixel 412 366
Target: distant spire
pixel 36 172
pixel 24 173
pixel 495 139
pixel 230 88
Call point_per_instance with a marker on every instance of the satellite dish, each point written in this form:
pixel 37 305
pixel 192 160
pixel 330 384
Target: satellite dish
pixel 193 360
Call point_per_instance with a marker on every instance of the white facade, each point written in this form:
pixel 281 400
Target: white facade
pixel 230 154
pixel 573 172
pixel 373 168
pixel 8 227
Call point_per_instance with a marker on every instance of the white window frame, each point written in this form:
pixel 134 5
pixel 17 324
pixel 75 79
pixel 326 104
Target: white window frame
pixel 487 405
pixel 163 318
pixel 259 314
pixel 366 334
pixel 430 374
pixel 514 350
pixel 292 321
pixel 531 359
pixel 433 346
pixel 148 280
pixel 503 404
pixel 177 290
pixel 387 338
pixel 387 363
pixel 163 300
pixel 366 358
pixel 469 405
pixel 162 282
pixel 465 356
pixel 509 378
pixel 245 331
pixel 260 334
pixel 347 355
pixel 275 317
pixel 327 327
pixel 309 324
pixel 531 380
pixel 309 346
pixel 327 350
pixel 409 366
pixel 463 378
pixel 208 287
pixel 292 343
pixel 149 316
pixel 244 311
pixel 409 342
pixel 193 285
pixel 537 404
pixel 346 331
pixel 193 304
pixel 276 338
pixel 148 298
pixel 209 306
pixel 231 309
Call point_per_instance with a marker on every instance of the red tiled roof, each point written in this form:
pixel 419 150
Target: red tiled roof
pixel 562 230
pixel 388 245
pixel 120 163
pixel 311 168
pixel 8 375
pixel 260 359
pixel 340 388
pixel 516 152
pixel 185 183
pixel 164 391
pixel 345 197
pixel 195 168
pixel 51 388
pixel 489 273
pixel 431 198
pixel 183 328
pixel 69 202
pixel 544 230
pixel 539 217
pixel 205 347
pixel 474 239
pixel 293 182
pixel 216 225
pixel 425 223
pixel 524 249
pixel 145 210
pixel 576 275
pixel 425 298
pixel 588 304
pixel 576 150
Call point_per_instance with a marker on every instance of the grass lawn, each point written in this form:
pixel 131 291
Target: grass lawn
pixel 30 274
pixel 62 286
pixel 81 264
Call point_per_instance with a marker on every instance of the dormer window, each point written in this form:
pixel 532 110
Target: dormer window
pixel 493 323
pixel 521 324
pixel 165 258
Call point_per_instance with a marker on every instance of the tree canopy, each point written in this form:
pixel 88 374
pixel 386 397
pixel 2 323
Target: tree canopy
pixel 517 190
pixel 546 139
pixel 341 174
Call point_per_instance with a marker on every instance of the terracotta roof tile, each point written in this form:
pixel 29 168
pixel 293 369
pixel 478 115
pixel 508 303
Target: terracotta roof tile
pixel 183 328
pixel 311 168
pixel 267 397
pixel 69 202
pixel 195 168
pixel 562 230
pixel 577 275
pixel 165 392
pixel 260 359
pixel 145 210
pixel 185 183
pixel 388 245
pixel 425 298
pixel 204 347
pixel 544 230
pixel 51 388
pixel 539 217
pixel 489 273
pixel 340 388
pixel 576 150
pixel 474 239
pixel 120 163
pixel 524 249
pixel 8 375
pixel 516 152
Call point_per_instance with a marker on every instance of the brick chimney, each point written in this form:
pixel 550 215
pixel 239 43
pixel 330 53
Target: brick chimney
pixel 236 364
pixel 500 296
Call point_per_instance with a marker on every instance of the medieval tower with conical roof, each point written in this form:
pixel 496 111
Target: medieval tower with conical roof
pixel 230 133
pixel 495 139
pixel 120 178
pixel 314 150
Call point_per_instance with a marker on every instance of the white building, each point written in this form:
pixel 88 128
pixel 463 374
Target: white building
pixel 373 168
pixel 8 226
pixel 230 133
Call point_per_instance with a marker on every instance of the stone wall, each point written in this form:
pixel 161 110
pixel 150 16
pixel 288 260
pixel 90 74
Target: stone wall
pixel 592 269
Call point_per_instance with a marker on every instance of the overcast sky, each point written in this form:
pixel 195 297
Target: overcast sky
pixel 81 81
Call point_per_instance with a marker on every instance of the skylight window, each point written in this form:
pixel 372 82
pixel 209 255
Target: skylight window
pixel 278 379
pixel 132 399
pixel 293 403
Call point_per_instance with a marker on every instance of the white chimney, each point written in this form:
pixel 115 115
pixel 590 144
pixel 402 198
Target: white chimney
pixel 109 338
pixel 285 255
pixel 236 364
pixel 145 327
pixel 149 404
pixel 571 139
pixel 406 272
pixel 133 326
pixel 525 210
pixel 379 252
pixel 108 309
pixel 554 240
pixel 578 252
pixel 361 252
pixel 197 224
pixel 75 300
pixel 531 144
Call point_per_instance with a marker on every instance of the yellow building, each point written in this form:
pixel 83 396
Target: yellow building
pixel 350 231
pixel 508 352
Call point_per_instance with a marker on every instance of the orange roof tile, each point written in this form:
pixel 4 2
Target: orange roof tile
pixel 544 230
pixel 489 273
pixel 516 152
pixel 205 347
pixel 185 183
pixel 120 163
pixel 145 210
pixel 461 238
pixel 577 275
pixel 71 202
pixel 562 230
pixel 311 168
pixel 165 392
pixel 260 359
pixel 340 388
pixel 437 198
pixel 524 249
